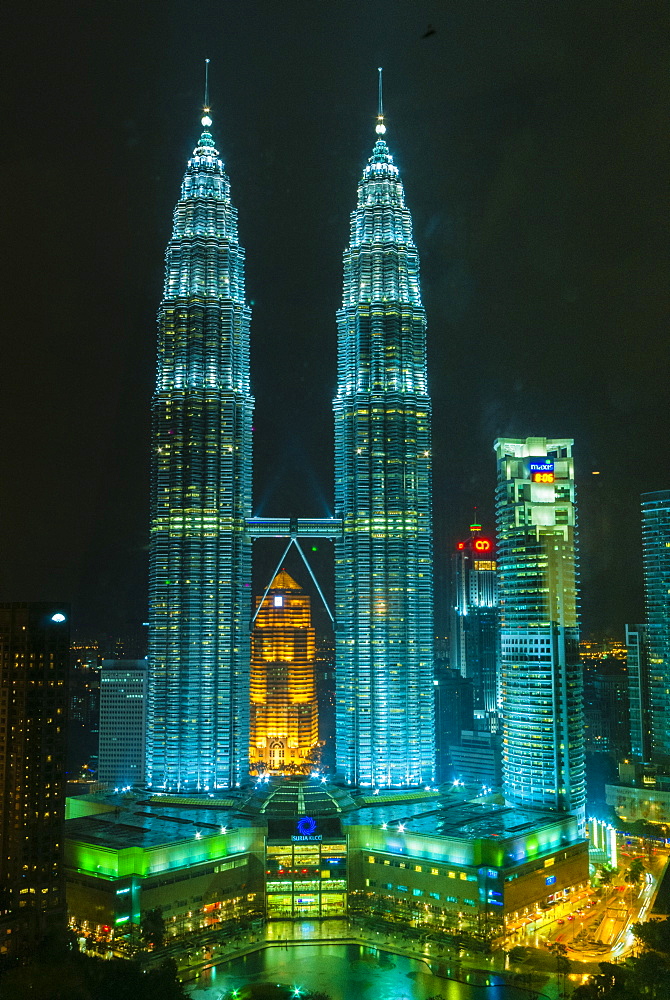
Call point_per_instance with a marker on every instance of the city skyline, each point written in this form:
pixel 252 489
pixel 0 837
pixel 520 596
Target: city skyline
pixel 526 222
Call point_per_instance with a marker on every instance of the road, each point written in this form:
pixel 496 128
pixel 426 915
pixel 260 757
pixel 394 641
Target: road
pixel 599 929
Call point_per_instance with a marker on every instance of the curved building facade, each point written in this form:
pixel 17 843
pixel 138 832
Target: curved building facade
pixel 200 554
pixel 541 673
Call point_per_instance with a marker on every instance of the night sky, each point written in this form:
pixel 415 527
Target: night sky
pixel 531 140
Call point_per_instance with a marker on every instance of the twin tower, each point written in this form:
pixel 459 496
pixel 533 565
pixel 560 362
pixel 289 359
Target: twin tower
pixel 202 527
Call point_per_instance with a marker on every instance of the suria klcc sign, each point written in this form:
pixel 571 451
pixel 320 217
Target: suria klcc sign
pixel 306 830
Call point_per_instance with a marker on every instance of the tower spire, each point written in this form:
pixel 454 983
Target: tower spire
pixel 380 127
pixel 206 120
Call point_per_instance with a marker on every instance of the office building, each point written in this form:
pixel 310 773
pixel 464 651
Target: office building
pixel 474 620
pixel 476 759
pixel 541 674
pixel 200 553
pixel 383 557
pixel 123 708
pixel 34 660
pixel 638 692
pixel 656 570
pixel 454 713
pixel 284 712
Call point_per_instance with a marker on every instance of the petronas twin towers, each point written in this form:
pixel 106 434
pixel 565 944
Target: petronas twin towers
pixel 201 503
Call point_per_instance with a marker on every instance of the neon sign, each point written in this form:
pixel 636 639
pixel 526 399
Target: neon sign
pixel 483 545
pixel 542 471
pixel 306 827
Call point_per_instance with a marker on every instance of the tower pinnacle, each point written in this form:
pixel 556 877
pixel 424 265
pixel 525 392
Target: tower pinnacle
pixel 206 121
pixel 380 127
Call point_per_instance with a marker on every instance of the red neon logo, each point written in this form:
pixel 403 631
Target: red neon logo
pixel 461 545
pixel 482 545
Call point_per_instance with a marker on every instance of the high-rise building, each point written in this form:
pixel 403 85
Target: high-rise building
pixel 123 712
pixel 200 552
pixel 284 713
pixel 656 569
pixel 454 713
pixel 474 620
pixel 541 674
pixel 383 558
pixel 84 714
pixel 34 660
pixel 324 663
pixel 638 692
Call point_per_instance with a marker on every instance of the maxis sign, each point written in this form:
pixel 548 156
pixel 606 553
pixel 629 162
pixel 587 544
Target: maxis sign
pixel 306 827
pixel 541 471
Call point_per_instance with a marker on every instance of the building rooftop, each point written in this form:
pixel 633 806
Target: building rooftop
pixel 468 821
pixel 289 797
pixel 149 829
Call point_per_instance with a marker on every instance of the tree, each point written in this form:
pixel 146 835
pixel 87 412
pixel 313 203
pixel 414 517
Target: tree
pixel 634 873
pixel 605 873
pixel 610 982
pixel 69 976
pixel 654 935
pixel 153 927
pixel 648 976
pixel 563 965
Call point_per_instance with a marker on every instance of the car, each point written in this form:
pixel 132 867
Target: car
pixel 570 916
pixel 560 921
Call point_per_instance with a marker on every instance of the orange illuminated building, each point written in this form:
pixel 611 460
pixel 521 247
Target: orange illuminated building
pixel 284 717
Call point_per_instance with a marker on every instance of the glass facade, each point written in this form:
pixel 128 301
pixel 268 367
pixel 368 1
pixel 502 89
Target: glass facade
pixel 200 554
pixel 541 673
pixel 284 714
pixel 383 559
pixel 637 671
pixel 656 569
pixel 306 880
pixel 474 619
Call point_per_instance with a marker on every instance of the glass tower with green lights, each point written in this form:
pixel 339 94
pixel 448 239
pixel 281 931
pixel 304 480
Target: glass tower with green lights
pixel 200 554
pixel 540 673
pixel 383 559
pixel 656 568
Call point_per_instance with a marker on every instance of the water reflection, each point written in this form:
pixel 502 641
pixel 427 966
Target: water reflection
pixel 346 972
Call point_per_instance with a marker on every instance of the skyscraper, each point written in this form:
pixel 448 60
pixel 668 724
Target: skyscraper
pixel 383 559
pixel 123 712
pixel 637 668
pixel 284 715
pixel 541 675
pixel 200 553
pixel 34 659
pixel 656 569
pixel 474 620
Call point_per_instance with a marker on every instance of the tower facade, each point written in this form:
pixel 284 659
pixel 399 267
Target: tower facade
pixel 200 553
pixel 383 560
pixel 123 715
pixel 656 570
pixel 541 674
pixel 284 713
pixel 637 671
pixel 474 620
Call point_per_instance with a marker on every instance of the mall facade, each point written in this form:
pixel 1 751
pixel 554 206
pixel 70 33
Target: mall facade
pixel 298 848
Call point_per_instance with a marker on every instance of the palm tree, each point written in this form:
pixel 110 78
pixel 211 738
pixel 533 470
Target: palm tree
pixel 606 873
pixel 635 872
